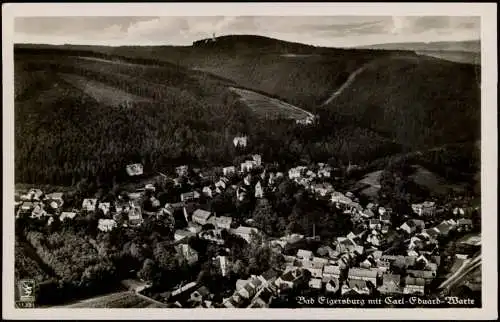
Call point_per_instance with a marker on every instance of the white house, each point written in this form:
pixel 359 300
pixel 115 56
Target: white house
pixel 259 193
pixel 201 216
pixel 240 141
pixel 427 208
pixel 257 159
pixel 106 224
pixel 207 191
pixel 245 232
pixel 104 206
pixel 228 170
pixel 89 204
pixel 304 254
pixel 190 195
pixel 67 214
pixel 296 172
pixel 135 169
pixel 56 200
pixel 182 170
pixel 248 165
pixel 38 211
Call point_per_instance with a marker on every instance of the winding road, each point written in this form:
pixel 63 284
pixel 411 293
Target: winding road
pixel 467 267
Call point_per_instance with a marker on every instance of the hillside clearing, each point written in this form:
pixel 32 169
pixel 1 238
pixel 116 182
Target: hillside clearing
pixel 270 108
pixel 102 93
pixel 432 181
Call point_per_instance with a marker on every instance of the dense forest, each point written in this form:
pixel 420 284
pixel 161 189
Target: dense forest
pixel 64 135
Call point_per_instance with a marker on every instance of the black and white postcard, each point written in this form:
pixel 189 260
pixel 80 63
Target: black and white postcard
pixel 190 161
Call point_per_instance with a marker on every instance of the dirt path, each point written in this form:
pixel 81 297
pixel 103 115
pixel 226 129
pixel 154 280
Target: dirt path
pixel 358 71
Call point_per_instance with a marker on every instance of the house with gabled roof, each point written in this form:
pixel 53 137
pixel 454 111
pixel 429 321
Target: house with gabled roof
pixel 332 284
pixel 359 286
pixel 248 165
pixel 290 279
pixel 385 218
pixel 180 234
pixel 202 293
pixel 67 214
pixel 464 224
pixel 223 222
pixel 391 285
pixel 181 170
pixel 259 192
pixel 367 213
pixel 189 254
pixel 414 285
pixel 104 207
pixel 106 225
pixel 192 195
pixel 89 204
pixel 263 298
pixel 370 275
pixel 38 211
pixel 227 171
pixel 245 232
pixel 135 169
pixel 444 228
pixel 315 283
pixel 427 208
pixel 332 271
pixel 426 275
pixel 55 199
pixel 135 215
pixel 33 194
pixel 201 216
pixel 304 254
pixel 374 223
pixel 207 191
pixel 345 245
pixel 240 141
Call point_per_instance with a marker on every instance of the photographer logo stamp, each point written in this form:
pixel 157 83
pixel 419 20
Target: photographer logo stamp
pixel 26 288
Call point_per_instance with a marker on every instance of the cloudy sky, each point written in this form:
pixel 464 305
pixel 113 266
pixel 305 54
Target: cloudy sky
pixel 333 31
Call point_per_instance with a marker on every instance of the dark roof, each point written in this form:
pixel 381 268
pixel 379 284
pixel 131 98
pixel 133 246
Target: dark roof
pixel 357 283
pixel 444 227
pixel 265 295
pixel 248 288
pixel 464 221
pixel 421 274
pixel 255 281
pixel 387 278
pixel 288 276
pixel 414 281
pixel 203 291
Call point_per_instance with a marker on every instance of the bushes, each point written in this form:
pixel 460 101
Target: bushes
pixel 73 259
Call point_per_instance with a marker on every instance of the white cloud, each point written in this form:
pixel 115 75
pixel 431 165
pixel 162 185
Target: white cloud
pixel 321 31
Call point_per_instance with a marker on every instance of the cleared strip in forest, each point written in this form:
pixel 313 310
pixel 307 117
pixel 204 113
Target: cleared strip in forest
pixel 357 72
pixel 270 108
pixel 102 93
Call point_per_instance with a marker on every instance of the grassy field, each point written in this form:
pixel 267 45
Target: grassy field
pixel 270 108
pixel 126 299
pixel 103 94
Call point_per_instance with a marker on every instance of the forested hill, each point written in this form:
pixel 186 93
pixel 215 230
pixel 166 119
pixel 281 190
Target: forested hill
pixel 87 111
